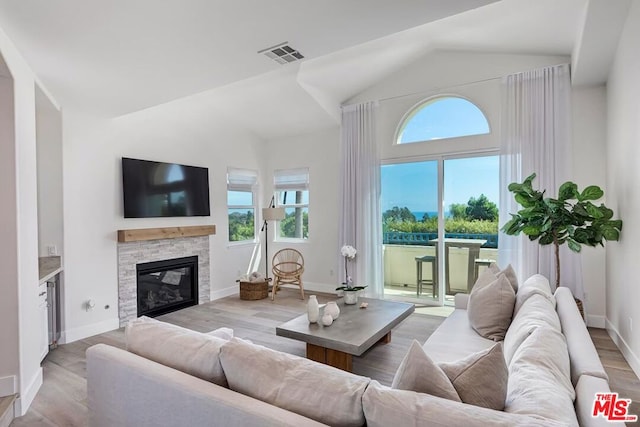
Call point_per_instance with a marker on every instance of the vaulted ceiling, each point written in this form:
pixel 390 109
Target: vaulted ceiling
pixel 120 56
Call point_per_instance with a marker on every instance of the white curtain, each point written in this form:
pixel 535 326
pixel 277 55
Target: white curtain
pixel 536 137
pixel 360 218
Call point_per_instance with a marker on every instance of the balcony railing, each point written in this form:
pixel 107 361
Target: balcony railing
pixel 422 239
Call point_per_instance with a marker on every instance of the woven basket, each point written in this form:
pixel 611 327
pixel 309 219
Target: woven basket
pixel 254 290
pixel 580 307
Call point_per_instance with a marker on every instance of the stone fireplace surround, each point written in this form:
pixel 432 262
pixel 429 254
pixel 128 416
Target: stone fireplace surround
pixel 134 252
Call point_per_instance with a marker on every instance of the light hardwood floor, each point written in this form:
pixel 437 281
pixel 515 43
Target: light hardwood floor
pixel 61 400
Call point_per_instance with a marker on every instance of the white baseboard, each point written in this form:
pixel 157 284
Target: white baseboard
pixel 8 386
pixel 599 322
pixel 75 334
pixel 25 399
pixel 226 292
pixel 326 288
pixel 629 355
pixel 308 287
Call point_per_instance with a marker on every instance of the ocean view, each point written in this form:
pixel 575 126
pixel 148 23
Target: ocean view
pixel 432 214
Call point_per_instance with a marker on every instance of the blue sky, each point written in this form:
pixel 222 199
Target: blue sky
pixel 415 185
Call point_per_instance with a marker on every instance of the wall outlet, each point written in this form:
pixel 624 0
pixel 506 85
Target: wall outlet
pixel 331 272
pixel 630 324
pixel 52 250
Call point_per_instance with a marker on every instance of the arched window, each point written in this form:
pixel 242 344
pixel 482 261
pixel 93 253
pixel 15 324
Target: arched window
pixel 440 118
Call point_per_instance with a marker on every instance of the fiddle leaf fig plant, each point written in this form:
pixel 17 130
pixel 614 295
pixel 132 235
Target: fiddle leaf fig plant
pixel 570 218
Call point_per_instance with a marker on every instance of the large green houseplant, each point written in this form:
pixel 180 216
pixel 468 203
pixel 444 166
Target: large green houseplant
pixel 572 218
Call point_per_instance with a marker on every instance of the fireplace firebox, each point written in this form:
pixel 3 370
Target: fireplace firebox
pixel 167 285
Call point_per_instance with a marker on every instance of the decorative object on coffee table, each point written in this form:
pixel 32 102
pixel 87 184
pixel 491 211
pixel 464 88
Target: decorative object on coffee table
pixel 332 309
pixel 313 309
pixel 350 292
pixel 327 320
pixel 354 333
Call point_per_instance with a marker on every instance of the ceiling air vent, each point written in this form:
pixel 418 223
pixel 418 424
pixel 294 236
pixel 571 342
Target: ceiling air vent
pixel 282 53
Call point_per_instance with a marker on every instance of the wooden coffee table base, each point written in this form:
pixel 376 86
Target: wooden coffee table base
pixel 335 358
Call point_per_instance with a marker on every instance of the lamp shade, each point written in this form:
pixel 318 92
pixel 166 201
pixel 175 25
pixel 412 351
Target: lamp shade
pixel 273 214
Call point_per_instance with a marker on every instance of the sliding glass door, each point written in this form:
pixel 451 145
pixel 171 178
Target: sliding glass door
pixel 442 206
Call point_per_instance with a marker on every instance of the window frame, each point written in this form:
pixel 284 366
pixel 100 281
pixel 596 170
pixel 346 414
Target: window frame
pixel 243 180
pixel 291 180
pixel 417 107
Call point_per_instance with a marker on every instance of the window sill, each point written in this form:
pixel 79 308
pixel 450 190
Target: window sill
pixel 241 244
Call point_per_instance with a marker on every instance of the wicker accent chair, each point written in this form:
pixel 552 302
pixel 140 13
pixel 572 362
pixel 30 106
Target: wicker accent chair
pixel 288 266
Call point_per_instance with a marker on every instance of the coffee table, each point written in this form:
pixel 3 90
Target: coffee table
pixel 351 334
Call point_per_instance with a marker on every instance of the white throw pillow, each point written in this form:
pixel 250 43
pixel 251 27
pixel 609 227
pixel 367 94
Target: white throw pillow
pixel 188 351
pixel 491 307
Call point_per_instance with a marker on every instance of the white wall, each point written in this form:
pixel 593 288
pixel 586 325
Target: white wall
pixel 589 105
pixel 20 216
pixel 9 355
pixel 320 152
pixel 185 132
pixel 49 159
pixel 623 175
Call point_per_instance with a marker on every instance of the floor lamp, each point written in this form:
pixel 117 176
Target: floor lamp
pixel 269 214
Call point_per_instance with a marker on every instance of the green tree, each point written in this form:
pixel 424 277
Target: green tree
pixel 399 214
pixel 458 210
pixel 482 209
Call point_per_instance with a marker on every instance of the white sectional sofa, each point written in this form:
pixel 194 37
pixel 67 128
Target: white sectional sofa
pixel 263 387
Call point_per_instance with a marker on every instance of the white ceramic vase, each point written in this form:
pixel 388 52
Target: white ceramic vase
pixel 313 309
pixel 327 320
pixel 350 297
pixel 332 309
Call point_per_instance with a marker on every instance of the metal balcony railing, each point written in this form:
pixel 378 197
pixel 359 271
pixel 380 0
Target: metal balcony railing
pixel 402 238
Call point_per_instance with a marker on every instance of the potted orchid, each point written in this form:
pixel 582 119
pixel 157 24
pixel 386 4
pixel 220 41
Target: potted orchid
pixel 348 252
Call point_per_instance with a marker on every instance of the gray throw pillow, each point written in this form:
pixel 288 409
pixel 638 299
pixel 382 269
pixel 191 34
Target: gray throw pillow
pixel 491 307
pixel 480 379
pixel 510 274
pixel 417 372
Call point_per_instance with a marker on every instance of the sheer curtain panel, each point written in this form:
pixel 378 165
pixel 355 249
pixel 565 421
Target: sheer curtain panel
pixel 536 137
pixel 360 218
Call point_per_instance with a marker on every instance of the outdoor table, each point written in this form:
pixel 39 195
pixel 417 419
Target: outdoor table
pixel 474 253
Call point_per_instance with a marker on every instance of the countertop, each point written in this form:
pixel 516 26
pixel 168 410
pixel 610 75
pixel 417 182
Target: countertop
pixel 48 267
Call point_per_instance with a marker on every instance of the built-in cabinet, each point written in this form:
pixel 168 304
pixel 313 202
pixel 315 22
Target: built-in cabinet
pixel 48 303
pixel 43 311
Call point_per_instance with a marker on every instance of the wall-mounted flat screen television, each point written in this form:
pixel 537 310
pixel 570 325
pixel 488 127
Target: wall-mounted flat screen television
pixel 156 189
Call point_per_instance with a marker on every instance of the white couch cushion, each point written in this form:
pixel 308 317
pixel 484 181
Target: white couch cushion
pixel 224 333
pixel 539 378
pixel 491 307
pixel 582 352
pixel 384 407
pixel 417 372
pixel 317 391
pixel 441 347
pixel 188 351
pixel 536 311
pixel 534 285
